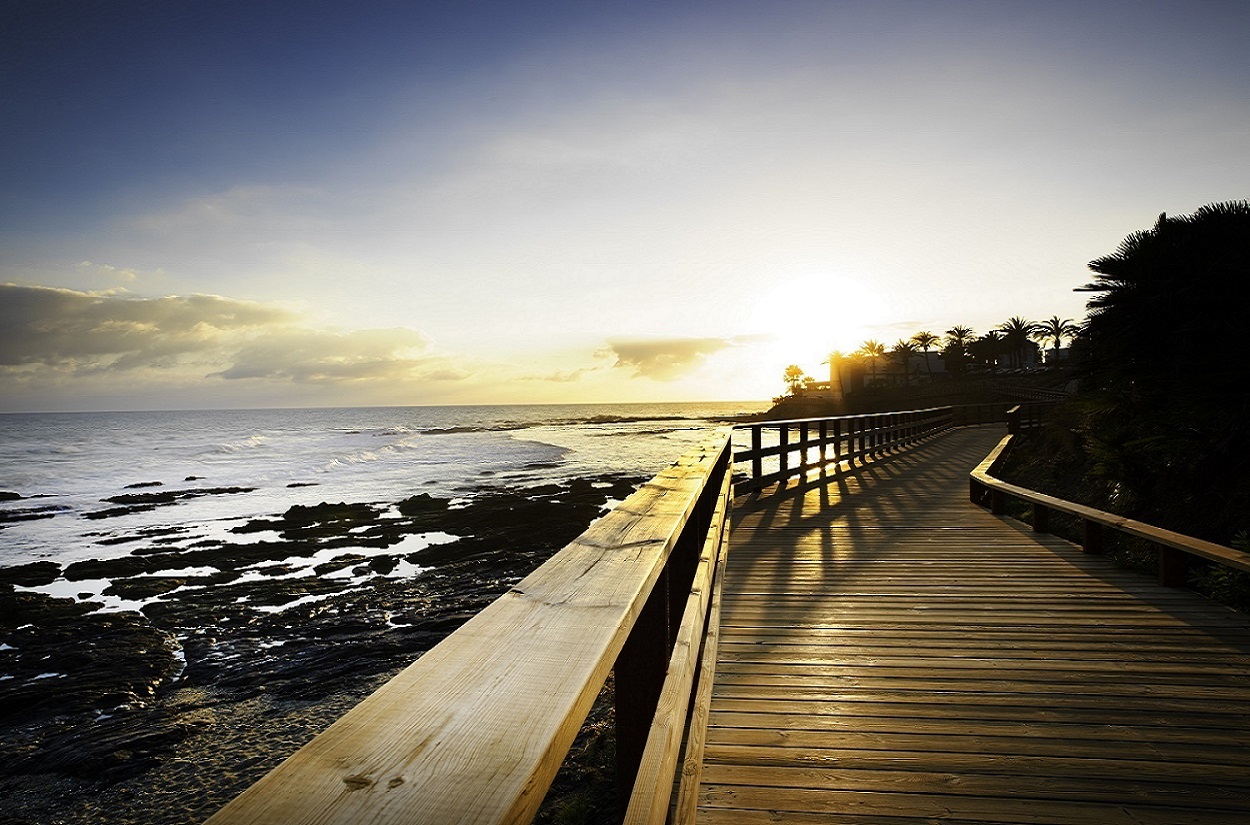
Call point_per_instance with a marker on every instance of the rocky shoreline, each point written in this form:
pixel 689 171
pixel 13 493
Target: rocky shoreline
pixel 241 650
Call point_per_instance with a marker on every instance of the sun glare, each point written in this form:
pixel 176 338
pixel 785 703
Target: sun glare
pixel 808 316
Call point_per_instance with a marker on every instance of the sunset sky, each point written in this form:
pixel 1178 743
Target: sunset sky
pixel 241 204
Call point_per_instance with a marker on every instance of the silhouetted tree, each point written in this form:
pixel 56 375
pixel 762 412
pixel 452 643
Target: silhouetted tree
pixel 872 350
pixel 1016 333
pixel 987 349
pixel 901 354
pixel 1055 329
pixel 924 340
pixel 793 377
pixel 1168 422
pixel 956 351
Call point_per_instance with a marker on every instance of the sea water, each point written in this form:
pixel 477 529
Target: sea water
pixel 64 466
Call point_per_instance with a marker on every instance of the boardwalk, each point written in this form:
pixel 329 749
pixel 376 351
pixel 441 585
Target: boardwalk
pixel 890 653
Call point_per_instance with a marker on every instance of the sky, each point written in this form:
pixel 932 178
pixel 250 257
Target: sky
pixel 284 204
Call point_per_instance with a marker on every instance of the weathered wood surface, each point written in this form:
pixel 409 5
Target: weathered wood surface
pixel 890 653
pixel 475 729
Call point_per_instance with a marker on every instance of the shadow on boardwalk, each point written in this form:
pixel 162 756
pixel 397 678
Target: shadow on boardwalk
pixel 890 653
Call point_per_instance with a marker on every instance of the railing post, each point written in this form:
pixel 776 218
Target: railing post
pixel 1013 421
pixel 837 441
pixel 1173 566
pixel 803 446
pixel 757 461
pixel 1091 536
pixel 824 444
pixel 1041 518
pixel 783 458
pixel 998 502
pixel 639 671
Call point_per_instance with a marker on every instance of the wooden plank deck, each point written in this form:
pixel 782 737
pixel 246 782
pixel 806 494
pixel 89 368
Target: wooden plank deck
pixel 891 653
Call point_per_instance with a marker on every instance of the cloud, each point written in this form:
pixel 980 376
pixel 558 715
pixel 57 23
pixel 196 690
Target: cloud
pixel 321 356
pixel 665 359
pixel 101 331
pixel 48 334
pixel 108 272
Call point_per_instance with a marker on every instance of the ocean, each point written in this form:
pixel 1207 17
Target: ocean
pixel 90 483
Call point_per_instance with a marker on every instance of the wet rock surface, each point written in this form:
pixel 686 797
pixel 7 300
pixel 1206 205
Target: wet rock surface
pixel 239 653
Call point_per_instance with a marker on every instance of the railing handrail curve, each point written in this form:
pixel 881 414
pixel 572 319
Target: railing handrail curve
pixel 987 490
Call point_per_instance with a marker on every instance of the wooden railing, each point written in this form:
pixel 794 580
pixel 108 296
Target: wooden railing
pixel 825 445
pixel 1173 549
pixel 475 730
pixel 1031 393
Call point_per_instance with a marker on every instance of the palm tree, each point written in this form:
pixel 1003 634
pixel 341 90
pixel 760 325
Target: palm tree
pixel 873 350
pixel 1016 333
pixel 959 337
pixel 793 377
pixel 956 352
pixel 901 354
pixel 1056 329
pixel 924 340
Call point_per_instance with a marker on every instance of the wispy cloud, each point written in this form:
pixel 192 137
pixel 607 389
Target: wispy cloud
pixel 331 356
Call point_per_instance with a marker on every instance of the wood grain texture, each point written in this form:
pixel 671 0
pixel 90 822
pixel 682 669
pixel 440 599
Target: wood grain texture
pixel 891 653
pixel 475 729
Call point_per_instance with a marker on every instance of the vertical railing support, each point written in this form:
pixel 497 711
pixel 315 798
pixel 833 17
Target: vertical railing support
pixel 804 463
pixel 783 458
pixel 1173 566
pixel 1091 536
pixel 639 672
pixel 757 444
pixel 1041 518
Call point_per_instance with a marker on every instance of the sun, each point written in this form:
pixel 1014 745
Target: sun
pixel 808 315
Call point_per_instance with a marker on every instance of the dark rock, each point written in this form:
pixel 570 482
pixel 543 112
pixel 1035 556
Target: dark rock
pixel 94 656
pixel 113 568
pixel 382 564
pixel 257 683
pixel 34 574
pixel 143 587
pixel 29 514
pixel 170 496
pixel 5 495
pixel 141 484
pixel 163 497
pixel 114 512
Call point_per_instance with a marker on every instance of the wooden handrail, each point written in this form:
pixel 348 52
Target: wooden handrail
pixel 475 730
pixel 825 444
pixel 1173 548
